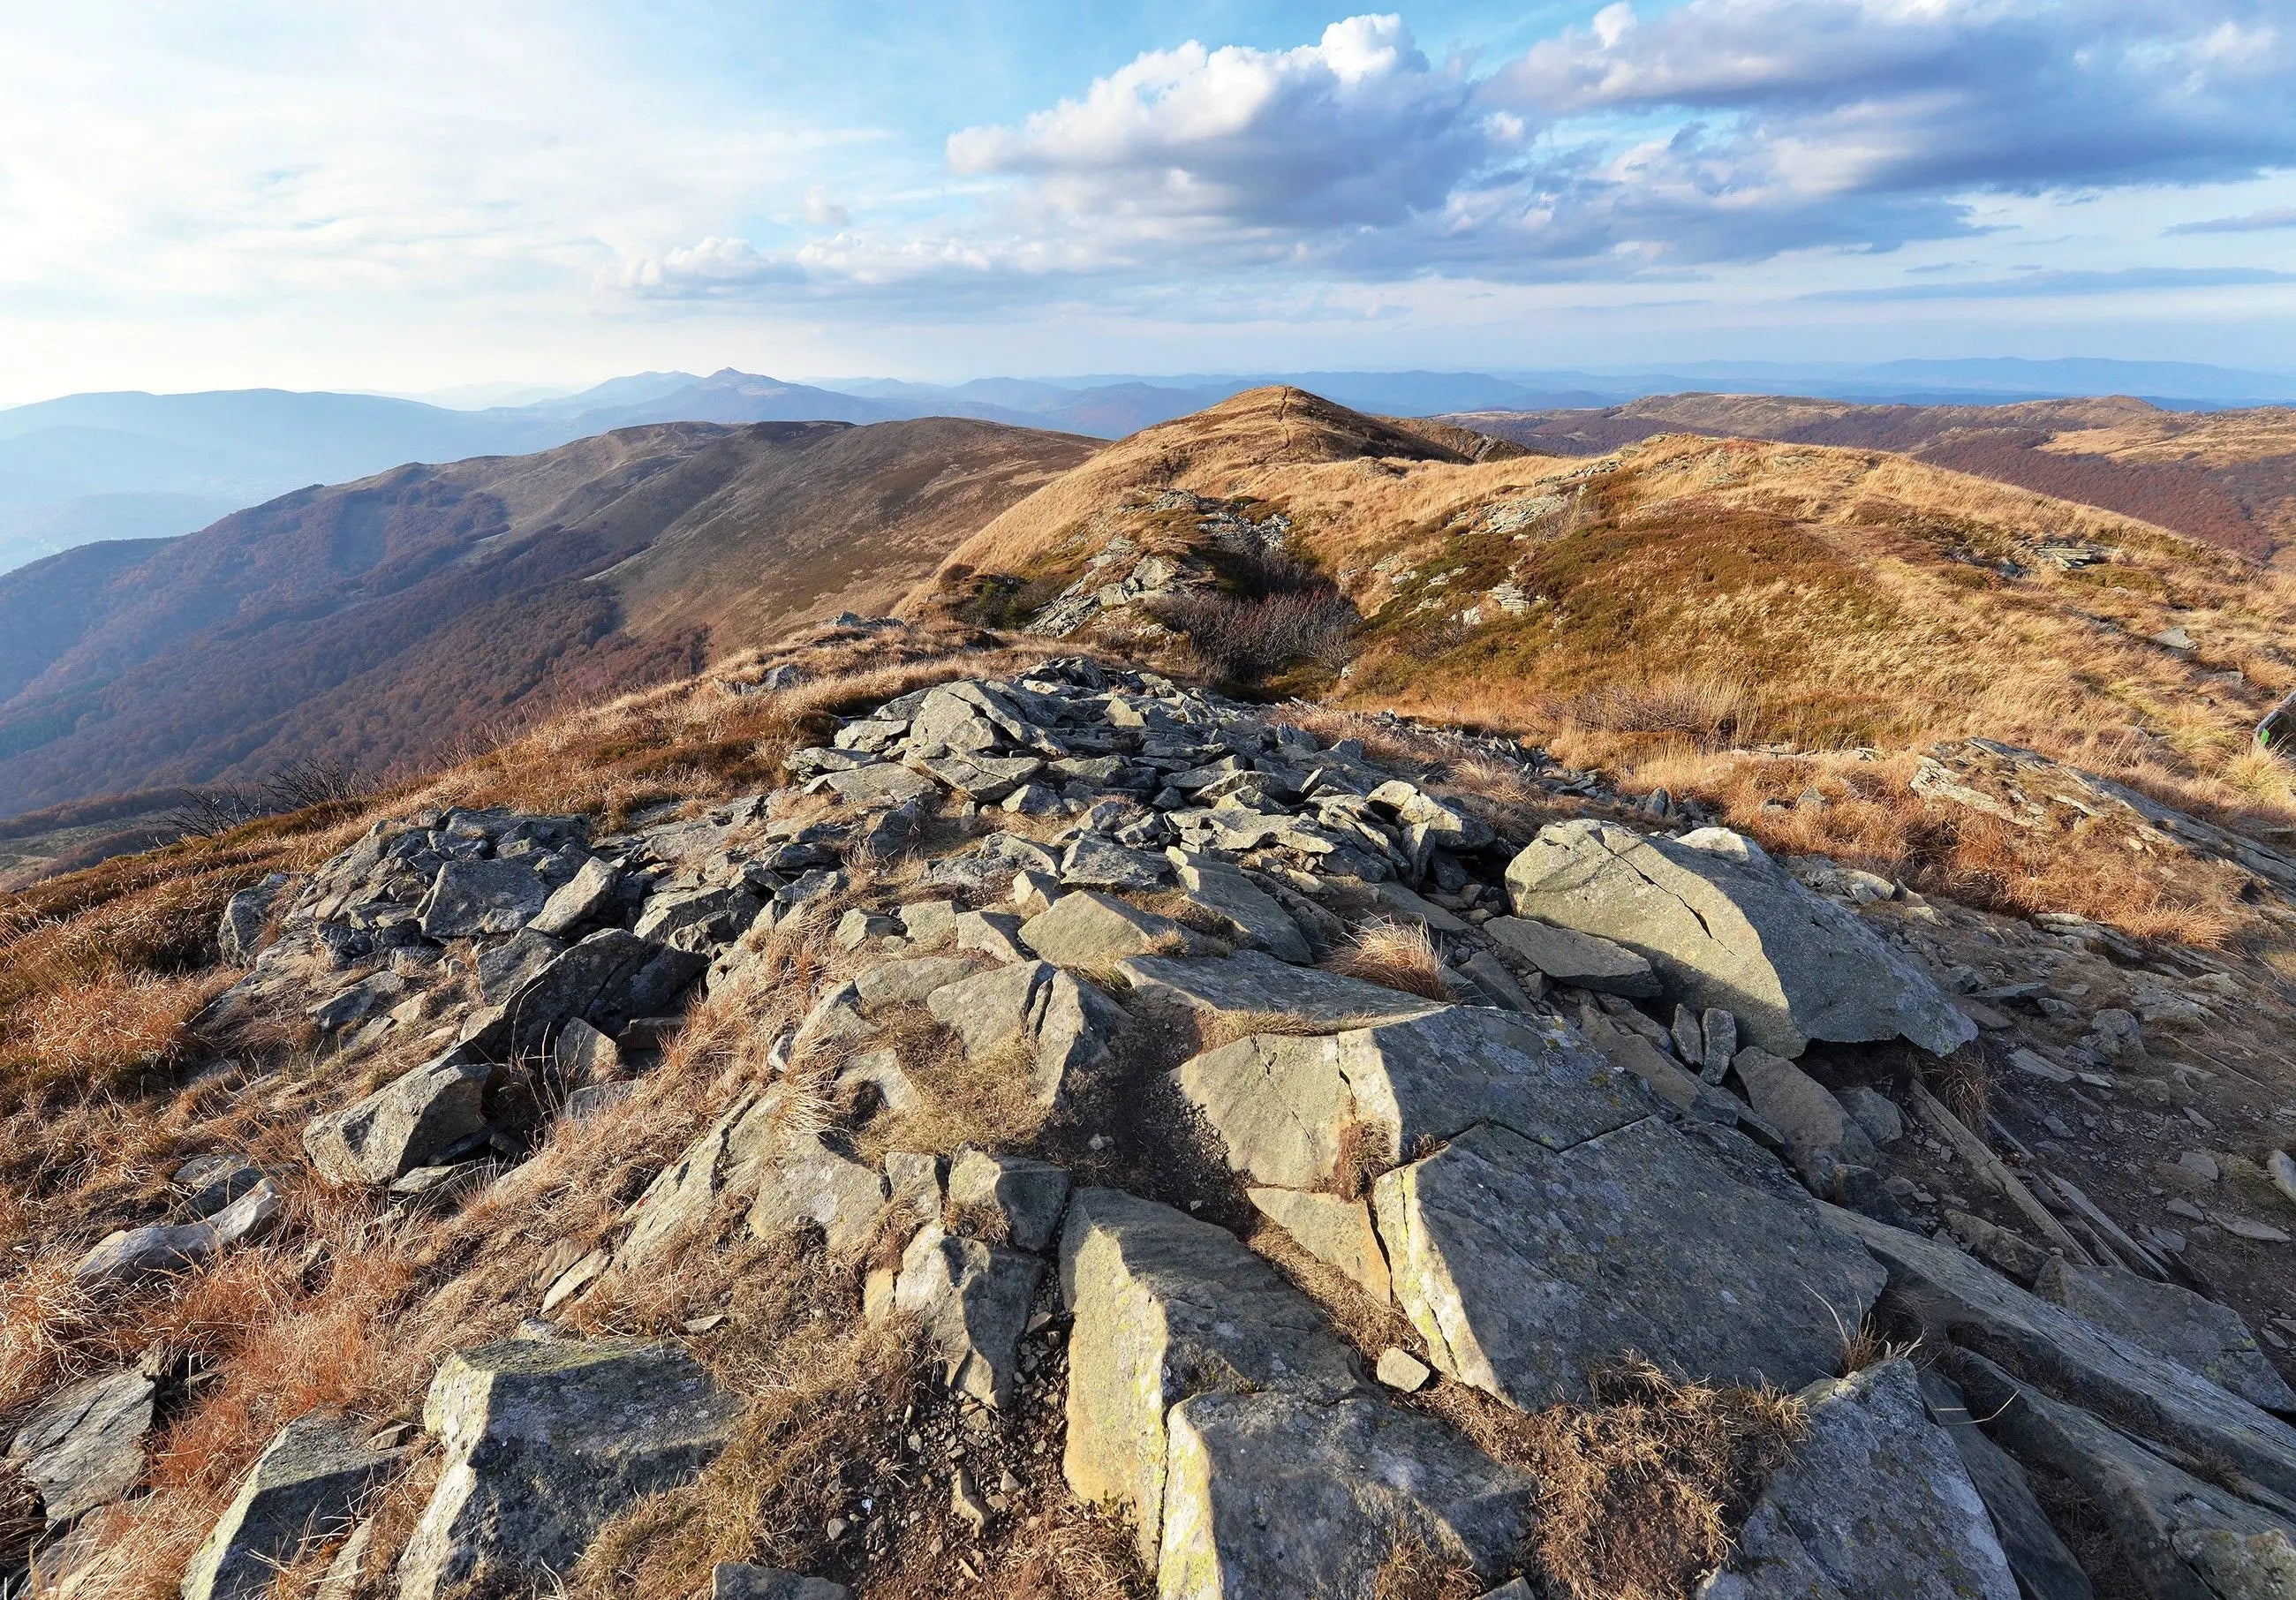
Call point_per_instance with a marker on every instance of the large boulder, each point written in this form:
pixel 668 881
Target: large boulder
pixel 405 1124
pixel 1875 1501
pixel 84 1446
pixel 304 1490
pixel 545 1441
pixel 1025 1196
pixel 1526 1267
pixel 1725 927
pixel 473 899
pixel 606 979
pixel 1291 1108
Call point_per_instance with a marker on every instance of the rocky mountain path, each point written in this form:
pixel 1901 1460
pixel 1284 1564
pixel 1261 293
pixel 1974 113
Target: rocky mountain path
pixel 1086 1134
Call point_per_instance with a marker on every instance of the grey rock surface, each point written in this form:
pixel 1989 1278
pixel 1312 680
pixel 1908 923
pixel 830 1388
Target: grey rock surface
pixel 1166 1306
pixel 588 896
pixel 1253 984
pixel 1874 1502
pixel 1957 1300
pixel 2045 1569
pixel 737 1580
pixel 471 898
pixel 1586 960
pixel 810 1182
pixel 1059 1024
pixel 973 1300
pixel 1525 1268
pixel 84 1446
pixel 304 1490
pixel 1336 1232
pixel 1252 918
pixel 1094 930
pixel 2172 1321
pixel 605 978
pixel 1027 1196
pixel 1819 1132
pixel 139 1253
pixel 1724 926
pixel 545 1441
pixel 1276 1493
pixel 404 1125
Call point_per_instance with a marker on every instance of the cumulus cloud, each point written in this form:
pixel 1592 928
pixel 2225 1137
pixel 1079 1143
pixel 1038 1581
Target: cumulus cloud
pixel 1718 131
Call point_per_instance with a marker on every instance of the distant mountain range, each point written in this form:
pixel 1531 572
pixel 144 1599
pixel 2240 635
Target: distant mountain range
pixel 91 467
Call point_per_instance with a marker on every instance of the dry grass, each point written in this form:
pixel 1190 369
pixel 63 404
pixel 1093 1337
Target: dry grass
pixel 1398 956
pixel 1413 1572
pixel 1640 1492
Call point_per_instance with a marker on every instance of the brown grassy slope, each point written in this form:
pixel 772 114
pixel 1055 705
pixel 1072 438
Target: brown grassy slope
pixel 1699 596
pixel 380 621
pixel 2226 477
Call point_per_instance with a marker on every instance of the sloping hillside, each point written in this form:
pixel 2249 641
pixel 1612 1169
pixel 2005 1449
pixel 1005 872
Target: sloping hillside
pixel 1657 608
pixel 381 620
pixel 2227 477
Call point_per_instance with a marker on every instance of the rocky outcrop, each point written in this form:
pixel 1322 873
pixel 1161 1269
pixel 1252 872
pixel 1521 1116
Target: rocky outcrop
pixel 1724 927
pixel 973 1300
pixel 85 1446
pixel 545 1441
pixel 1060 1023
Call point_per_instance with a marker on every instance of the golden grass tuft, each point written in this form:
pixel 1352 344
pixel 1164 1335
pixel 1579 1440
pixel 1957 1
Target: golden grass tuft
pixel 1413 1572
pixel 1641 1492
pixel 1394 954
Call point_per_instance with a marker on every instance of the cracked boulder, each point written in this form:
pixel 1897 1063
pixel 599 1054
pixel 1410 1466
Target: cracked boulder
pixel 1524 1267
pixel 1059 1023
pixel 606 979
pixel 1724 927
pixel 1291 1109
pixel 1211 1401
pixel 1875 1501
pixel 305 1489
pixel 543 1442
pixel 404 1125
pixel 469 900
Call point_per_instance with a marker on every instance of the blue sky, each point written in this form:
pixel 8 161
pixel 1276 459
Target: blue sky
pixel 325 194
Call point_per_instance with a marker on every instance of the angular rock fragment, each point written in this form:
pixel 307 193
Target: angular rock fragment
pixel 139 1253
pixel 502 969
pixel 304 1490
pixel 1875 1501
pixel 1585 959
pixel 605 978
pixel 1526 1267
pixel 1288 1107
pixel 590 895
pixel 1957 1301
pixel 1819 1131
pixel 241 927
pixel 1338 1233
pixel 471 898
pixel 882 785
pixel 1252 986
pixel 1062 1024
pixel 212 1181
pixel 973 1300
pixel 1095 861
pixel 2171 1321
pixel 909 982
pixel 734 1580
pixel 543 1442
pixel 696 918
pixel 1090 930
pixel 84 1446
pixel 1026 1196
pixel 1253 917
pixel 1278 1494
pixel 404 1125
pixel 1725 927
pixel 812 1183
pixel 2043 1568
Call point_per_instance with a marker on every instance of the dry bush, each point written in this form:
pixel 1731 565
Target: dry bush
pixel 1393 955
pixel 1641 1492
pixel 1249 640
pixel 1710 709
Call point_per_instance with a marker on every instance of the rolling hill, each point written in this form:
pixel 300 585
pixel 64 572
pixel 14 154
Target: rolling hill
pixel 379 621
pixel 2229 477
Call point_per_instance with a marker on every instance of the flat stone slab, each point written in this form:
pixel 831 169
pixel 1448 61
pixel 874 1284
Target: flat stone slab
pixel 1959 1301
pixel 1286 1106
pixel 1271 1494
pixel 1725 927
pixel 1338 1233
pixel 1088 929
pixel 1252 917
pixel 1586 960
pixel 543 1443
pixel 881 784
pixel 973 1299
pixel 2045 1569
pixel 812 1183
pixel 471 899
pixel 304 1490
pixel 2171 1321
pixel 1524 1267
pixel 1253 985
pixel 84 1446
pixel 1875 1501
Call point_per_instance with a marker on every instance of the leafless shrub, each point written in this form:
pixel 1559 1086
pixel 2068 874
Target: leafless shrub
pixel 1248 639
pixel 309 781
